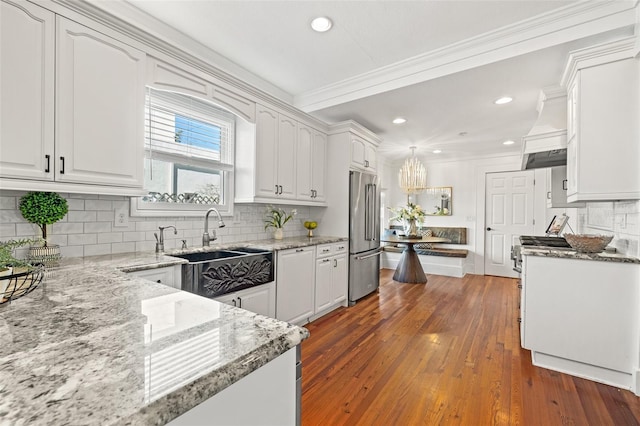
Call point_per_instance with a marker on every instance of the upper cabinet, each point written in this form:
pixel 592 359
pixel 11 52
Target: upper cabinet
pixel 95 92
pixel 557 188
pixel 603 149
pixel 99 108
pixel 312 155
pixel 285 162
pixel 363 154
pixel 27 37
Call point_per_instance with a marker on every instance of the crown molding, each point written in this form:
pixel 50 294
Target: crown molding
pixel 562 25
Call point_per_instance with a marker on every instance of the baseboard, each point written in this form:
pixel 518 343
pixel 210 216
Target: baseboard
pixel 436 265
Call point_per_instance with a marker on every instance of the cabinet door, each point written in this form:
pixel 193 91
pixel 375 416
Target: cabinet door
pixel 358 152
pixel 324 273
pixel 27 34
pixel 266 152
pixel 99 108
pixel 304 154
pixel 318 166
pixel 340 279
pixel 295 281
pixel 572 167
pixel 287 137
pixel 370 158
pixel 557 185
pixel 260 299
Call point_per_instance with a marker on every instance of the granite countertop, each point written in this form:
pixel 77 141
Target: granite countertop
pixel 572 254
pixel 93 345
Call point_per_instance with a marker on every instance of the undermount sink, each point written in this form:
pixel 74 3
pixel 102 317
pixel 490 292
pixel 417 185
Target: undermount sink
pixel 208 256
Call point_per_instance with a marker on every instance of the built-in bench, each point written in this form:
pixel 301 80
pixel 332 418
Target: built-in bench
pixel 434 259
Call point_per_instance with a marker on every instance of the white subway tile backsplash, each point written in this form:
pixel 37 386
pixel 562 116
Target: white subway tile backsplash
pixel 88 228
pixel 75 204
pixel 97 249
pixel 82 239
pixel 81 216
pixel 98 205
pixel 8 203
pixel 68 228
pixel 97 227
pixel 123 247
pixel 110 237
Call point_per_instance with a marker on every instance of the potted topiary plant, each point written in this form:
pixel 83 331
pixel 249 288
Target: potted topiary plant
pixel 43 208
pixel 17 277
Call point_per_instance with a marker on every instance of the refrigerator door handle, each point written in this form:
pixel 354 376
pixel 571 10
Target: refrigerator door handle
pixel 367 216
pixel 377 253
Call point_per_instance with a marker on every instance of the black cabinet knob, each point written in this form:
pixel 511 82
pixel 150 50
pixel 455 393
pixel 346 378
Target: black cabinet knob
pixel 488 229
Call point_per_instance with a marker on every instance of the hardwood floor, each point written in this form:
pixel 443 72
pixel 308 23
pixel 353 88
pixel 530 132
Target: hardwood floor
pixel 444 353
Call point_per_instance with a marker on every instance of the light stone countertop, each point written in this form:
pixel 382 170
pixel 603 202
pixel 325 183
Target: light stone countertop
pixel 572 254
pixel 93 345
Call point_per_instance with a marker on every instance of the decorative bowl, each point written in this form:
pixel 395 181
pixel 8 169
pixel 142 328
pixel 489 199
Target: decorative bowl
pixel 588 243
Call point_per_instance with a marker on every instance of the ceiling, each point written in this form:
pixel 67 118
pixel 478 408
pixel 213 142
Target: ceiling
pixel 439 64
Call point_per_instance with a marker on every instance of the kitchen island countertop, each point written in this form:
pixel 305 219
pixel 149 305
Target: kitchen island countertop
pixel 93 345
pixel 572 254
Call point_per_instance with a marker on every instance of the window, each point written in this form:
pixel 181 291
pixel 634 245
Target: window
pixel 188 156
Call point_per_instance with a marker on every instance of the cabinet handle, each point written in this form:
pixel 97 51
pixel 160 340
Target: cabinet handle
pixel 276 189
pixel 239 302
pixel 299 250
pixel 62 164
pixel 519 285
pixel 48 158
pixel 335 263
pixel 341 248
pixel 366 163
pixel 159 281
pixel 564 184
pixel 234 302
pixel 280 189
pixel 548 195
pixel 326 260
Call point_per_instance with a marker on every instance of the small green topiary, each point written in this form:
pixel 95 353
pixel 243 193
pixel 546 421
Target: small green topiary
pixel 43 208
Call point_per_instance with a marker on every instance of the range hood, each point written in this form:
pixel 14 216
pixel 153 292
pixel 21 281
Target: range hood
pixel 546 143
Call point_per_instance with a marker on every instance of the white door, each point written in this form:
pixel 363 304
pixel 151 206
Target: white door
pixel 509 214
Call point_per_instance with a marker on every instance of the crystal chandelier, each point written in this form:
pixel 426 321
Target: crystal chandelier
pixel 413 175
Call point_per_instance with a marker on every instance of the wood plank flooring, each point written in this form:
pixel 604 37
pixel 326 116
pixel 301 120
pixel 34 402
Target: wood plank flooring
pixel 444 353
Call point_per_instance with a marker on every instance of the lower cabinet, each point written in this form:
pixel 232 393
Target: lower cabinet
pixel 311 281
pixel 331 276
pixel 295 277
pixel 267 396
pixel 260 299
pixel 170 276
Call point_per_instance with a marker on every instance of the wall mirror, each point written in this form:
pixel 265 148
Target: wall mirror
pixel 436 201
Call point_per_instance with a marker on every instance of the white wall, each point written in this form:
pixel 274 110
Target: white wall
pixel 88 228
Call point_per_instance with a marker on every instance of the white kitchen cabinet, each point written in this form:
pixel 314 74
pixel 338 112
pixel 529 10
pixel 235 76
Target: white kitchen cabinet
pixel 266 172
pixel 98 140
pixel 581 317
pixel 170 276
pixel 295 278
pixel 260 299
pixel 99 108
pixel 311 164
pixel 331 276
pixel 557 188
pixel 603 153
pixel 27 37
pixel 363 154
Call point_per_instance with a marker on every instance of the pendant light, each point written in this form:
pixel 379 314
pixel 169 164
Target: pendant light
pixel 413 175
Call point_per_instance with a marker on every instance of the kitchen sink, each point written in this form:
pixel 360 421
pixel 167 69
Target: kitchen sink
pixel 208 256
pixel 214 273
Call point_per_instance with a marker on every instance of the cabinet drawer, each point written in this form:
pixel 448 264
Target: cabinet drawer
pixel 331 249
pixel 168 276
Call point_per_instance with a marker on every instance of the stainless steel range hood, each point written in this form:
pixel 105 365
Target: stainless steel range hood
pixel 546 143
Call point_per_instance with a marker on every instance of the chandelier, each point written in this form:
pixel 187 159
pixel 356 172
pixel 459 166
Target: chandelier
pixel 413 175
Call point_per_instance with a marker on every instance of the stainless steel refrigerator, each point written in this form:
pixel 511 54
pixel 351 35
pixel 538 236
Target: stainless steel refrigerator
pixel 364 235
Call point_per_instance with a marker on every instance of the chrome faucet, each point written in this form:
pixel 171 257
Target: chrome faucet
pixel 160 241
pixel 206 239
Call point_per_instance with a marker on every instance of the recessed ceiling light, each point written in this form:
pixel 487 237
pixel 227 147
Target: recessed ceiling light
pixel 321 24
pixel 399 120
pixel 503 100
pixel 508 143
pixel 437 151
